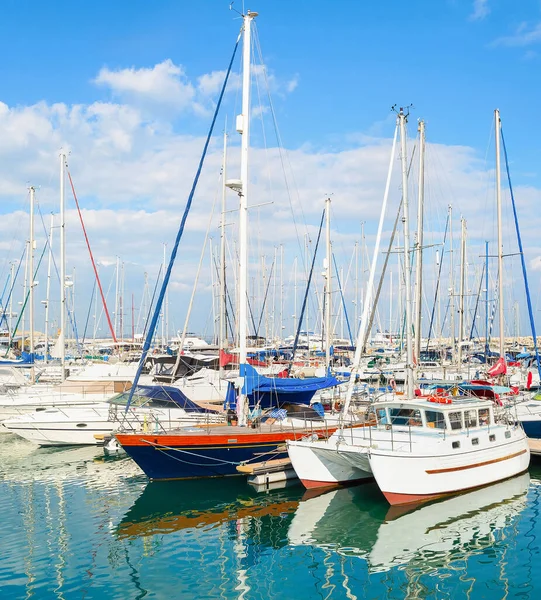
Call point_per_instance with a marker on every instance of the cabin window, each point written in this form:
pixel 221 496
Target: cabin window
pixel 381 416
pixel 484 416
pixel 507 434
pixel 475 441
pixel 470 418
pixel 455 419
pixel 435 419
pixel 492 437
pixel 406 416
pixel 456 445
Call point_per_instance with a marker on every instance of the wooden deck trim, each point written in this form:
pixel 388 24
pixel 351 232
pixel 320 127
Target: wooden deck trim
pixel 475 465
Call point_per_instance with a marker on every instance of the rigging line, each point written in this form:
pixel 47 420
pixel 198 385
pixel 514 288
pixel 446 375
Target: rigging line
pixel 24 306
pixel 89 311
pixel 167 275
pixel 437 285
pixel 522 259
pixel 343 299
pixel 281 156
pixel 152 299
pixel 13 283
pixel 473 325
pixel 194 289
pixel 111 329
pixel 299 325
pixel 265 299
pixel 385 264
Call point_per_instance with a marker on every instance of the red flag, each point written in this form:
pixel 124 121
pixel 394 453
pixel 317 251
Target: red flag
pixel 500 368
pixel 529 380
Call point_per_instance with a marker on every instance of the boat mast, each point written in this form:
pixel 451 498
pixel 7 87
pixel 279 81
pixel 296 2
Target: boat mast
pixel 486 303
pixel 402 118
pixel 243 127
pixel 451 287
pixel 328 285
pixel 462 289
pixel 363 326
pixel 419 249
pixel 222 324
pixel 31 280
pixel 62 270
pixel 48 291
pixel 497 123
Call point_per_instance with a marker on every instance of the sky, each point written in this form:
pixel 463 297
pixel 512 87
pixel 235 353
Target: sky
pixel 128 90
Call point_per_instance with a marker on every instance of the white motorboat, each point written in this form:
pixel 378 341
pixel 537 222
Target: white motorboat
pixel 152 408
pixel 418 450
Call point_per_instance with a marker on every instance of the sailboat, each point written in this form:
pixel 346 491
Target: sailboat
pixel 217 451
pixel 420 448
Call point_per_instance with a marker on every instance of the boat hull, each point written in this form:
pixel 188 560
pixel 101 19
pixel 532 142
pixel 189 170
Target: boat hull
pixel 326 464
pixel 196 455
pixel 405 479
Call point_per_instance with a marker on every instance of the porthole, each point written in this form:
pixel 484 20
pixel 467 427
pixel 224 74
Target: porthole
pixel 475 441
pixel 492 437
pixel 81 425
pixel 456 445
pixel 507 434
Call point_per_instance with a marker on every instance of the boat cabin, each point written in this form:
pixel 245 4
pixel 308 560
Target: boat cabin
pixel 445 414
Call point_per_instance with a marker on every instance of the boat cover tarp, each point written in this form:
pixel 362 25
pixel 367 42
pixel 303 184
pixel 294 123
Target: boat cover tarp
pixel 274 391
pixel 168 394
pixel 25 360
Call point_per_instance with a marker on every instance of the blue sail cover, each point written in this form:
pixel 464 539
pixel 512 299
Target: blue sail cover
pixel 274 391
pixel 168 394
pixel 26 360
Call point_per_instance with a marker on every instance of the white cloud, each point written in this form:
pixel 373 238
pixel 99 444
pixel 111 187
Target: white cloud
pixel 163 84
pixel 480 10
pixel 524 35
pixel 133 174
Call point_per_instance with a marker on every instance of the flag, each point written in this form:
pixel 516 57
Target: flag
pixel 500 368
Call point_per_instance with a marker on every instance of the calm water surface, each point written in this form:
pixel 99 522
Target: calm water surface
pixel 74 525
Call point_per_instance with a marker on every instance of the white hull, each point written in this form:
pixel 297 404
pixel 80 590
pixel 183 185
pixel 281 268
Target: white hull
pixel 328 463
pixel 86 426
pixel 404 478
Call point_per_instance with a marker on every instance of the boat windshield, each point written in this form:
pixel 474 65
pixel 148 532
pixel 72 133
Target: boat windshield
pixel 141 400
pixel 435 419
pixel 406 416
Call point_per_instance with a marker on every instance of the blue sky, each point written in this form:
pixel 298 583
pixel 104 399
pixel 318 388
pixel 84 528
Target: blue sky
pixel 128 88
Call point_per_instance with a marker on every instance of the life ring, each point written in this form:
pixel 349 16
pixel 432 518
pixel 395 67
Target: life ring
pixel 440 400
pixel 392 383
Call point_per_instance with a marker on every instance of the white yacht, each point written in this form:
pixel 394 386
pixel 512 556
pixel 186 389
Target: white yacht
pixel 418 450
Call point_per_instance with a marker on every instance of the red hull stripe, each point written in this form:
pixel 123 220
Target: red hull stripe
pixel 213 440
pixel 398 499
pixel 310 484
pixel 481 464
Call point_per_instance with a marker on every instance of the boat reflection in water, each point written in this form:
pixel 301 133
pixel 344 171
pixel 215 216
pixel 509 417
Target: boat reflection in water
pixel 165 507
pixel 352 522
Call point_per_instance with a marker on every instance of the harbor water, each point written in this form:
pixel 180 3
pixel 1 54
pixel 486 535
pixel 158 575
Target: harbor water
pixel 78 525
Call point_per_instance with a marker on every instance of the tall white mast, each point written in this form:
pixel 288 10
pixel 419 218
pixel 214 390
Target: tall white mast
pixel 328 274
pixel 222 324
pixel 31 280
pixel 462 289
pixel 497 123
pixel 243 127
pixel 452 285
pixel 12 282
pixel 419 249
pixel 363 327
pixel 48 290
pixel 402 119
pixel 62 270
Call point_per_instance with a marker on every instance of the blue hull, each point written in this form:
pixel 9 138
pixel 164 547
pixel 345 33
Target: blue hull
pixel 532 429
pixel 188 462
